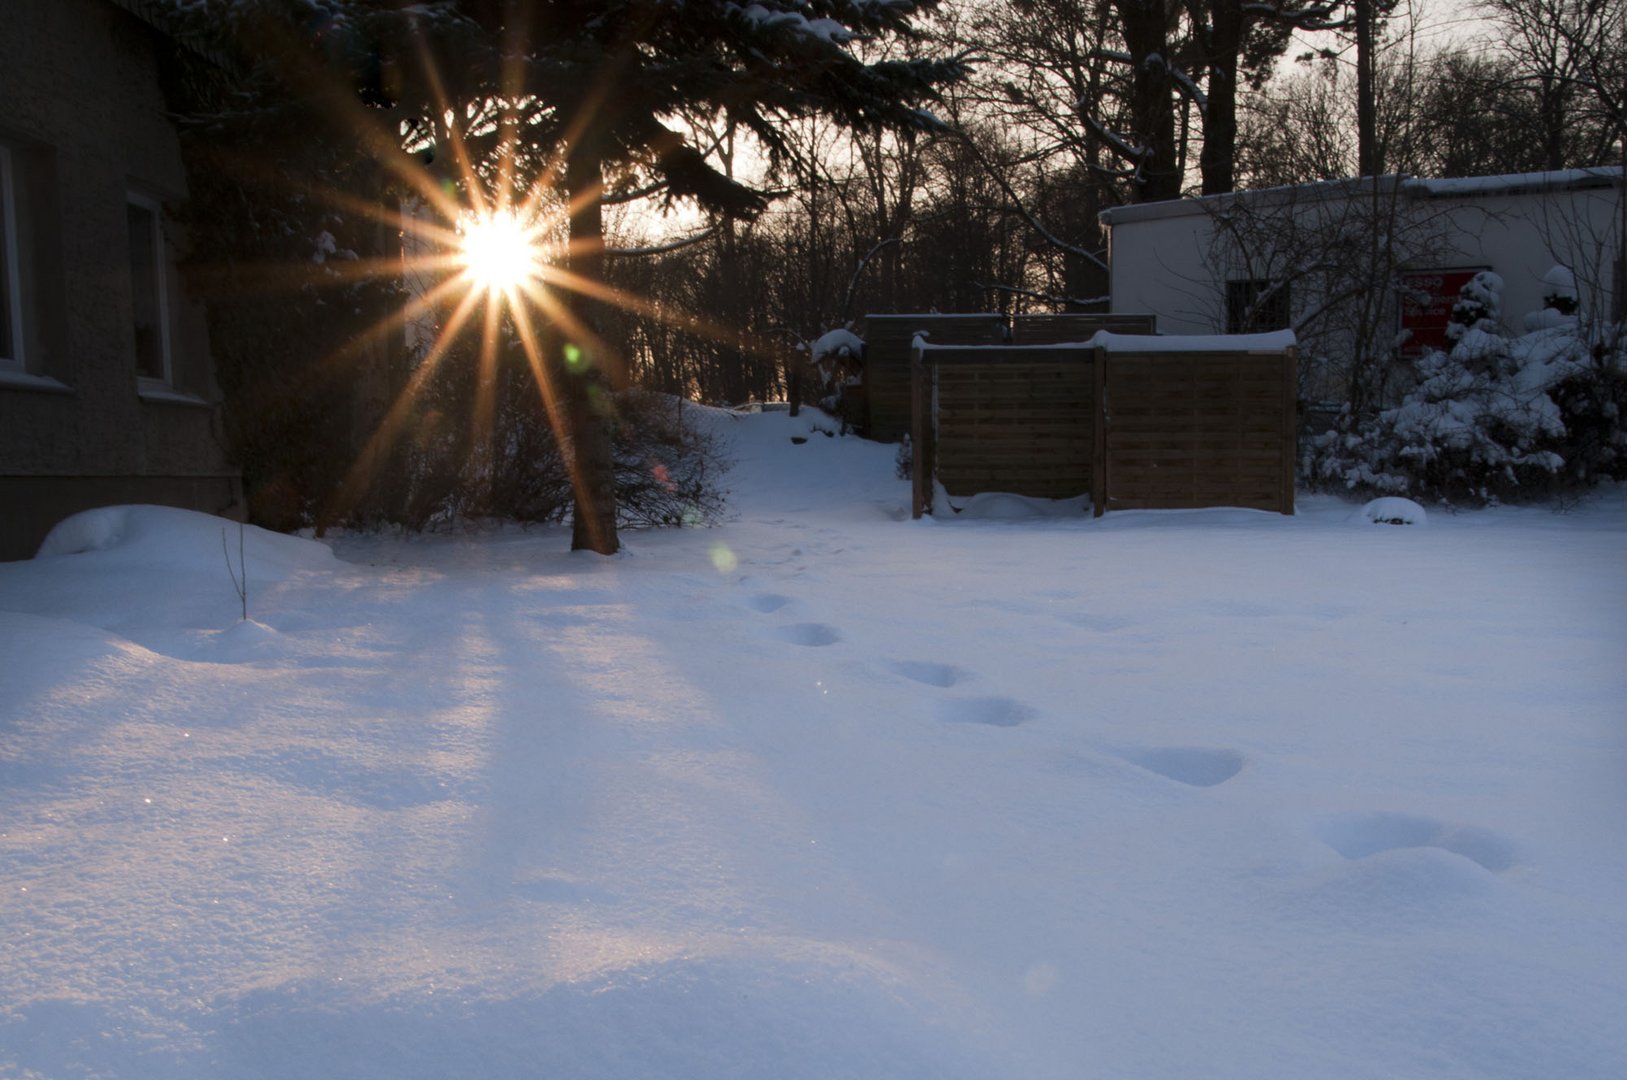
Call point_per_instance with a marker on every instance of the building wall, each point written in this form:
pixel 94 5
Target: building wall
pixel 1158 266
pixel 1522 237
pixel 85 122
pixel 1161 253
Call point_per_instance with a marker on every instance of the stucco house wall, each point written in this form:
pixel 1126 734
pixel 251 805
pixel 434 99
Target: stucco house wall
pixel 1165 260
pixel 85 135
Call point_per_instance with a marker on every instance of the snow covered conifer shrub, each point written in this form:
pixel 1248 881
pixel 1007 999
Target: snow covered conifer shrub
pixel 1590 389
pixel 1494 419
pixel 1479 306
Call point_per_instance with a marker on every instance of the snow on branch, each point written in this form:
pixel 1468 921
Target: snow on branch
pixel 998 176
pixel 828 31
pixel 1309 17
pixel 1120 145
pixel 853 282
pixel 1190 88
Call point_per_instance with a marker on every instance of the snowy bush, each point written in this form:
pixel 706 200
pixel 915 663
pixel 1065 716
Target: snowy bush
pixel 838 359
pixel 1559 301
pixel 667 467
pixel 1479 306
pixel 904 460
pixel 1493 419
pixel 447 470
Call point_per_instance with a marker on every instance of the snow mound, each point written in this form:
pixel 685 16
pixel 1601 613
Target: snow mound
pixel 1393 510
pixel 157 575
pixel 838 342
pixel 172 536
pixel 1004 506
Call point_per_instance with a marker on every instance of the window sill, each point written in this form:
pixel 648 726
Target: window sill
pixel 12 379
pixel 158 393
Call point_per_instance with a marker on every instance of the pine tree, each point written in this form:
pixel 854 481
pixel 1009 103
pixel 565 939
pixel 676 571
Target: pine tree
pixel 617 72
pixel 593 92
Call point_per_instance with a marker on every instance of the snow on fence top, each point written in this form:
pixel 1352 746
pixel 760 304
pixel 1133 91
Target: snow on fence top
pixel 1271 341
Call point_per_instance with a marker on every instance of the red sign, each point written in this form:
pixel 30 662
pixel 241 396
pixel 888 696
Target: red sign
pixel 1427 297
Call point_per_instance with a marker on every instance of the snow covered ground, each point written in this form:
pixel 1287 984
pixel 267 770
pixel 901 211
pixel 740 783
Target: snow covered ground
pixel 822 792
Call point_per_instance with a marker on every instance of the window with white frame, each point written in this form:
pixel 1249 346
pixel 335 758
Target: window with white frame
pixel 149 289
pixel 11 286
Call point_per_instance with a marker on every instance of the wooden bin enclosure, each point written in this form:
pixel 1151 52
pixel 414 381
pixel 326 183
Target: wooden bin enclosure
pixel 1137 421
pixel 887 340
pixel 1076 328
pixel 887 360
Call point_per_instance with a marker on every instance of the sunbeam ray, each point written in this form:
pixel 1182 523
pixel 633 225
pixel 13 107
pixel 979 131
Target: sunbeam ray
pixel 372 457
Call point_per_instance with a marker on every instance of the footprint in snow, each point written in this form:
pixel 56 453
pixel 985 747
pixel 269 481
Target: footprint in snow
pixel 813 634
pixel 927 672
pixel 1192 765
pixel 1356 836
pixel 767 602
pixel 993 711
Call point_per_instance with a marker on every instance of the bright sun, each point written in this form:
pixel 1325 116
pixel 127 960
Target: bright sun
pixel 500 251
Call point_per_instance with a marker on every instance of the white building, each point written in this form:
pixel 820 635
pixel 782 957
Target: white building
pixel 1370 267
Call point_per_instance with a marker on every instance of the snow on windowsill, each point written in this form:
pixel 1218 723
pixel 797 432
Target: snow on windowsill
pixel 12 379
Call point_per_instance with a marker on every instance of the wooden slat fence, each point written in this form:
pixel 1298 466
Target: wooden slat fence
pixel 1076 328
pixel 888 338
pixel 1009 419
pixel 1158 425
pixel 887 341
pixel 1198 429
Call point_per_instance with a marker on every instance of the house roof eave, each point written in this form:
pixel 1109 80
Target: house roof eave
pixel 1414 187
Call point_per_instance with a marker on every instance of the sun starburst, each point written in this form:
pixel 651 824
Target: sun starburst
pixel 500 251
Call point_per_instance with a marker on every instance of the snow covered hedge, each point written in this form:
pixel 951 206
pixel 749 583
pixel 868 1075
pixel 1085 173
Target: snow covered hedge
pixel 1495 418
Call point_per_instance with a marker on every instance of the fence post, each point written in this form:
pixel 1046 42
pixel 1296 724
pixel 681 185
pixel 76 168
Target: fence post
pixel 1098 457
pixel 920 432
pixel 1290 434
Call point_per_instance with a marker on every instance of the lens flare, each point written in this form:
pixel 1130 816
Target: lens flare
pixel 723 560
pixel 500 252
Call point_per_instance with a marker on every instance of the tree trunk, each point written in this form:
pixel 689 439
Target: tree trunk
pixel 1551 105
pixel 1145 25
pixel 1367 163
pixel 589 407
pixel 1218 159
pixel 794 363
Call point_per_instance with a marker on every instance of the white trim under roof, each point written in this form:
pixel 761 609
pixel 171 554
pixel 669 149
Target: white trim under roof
pixel 1517 183
pixel 1463 187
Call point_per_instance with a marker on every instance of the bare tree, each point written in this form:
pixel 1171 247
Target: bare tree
pixel 1572 56
pixel 1325 260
